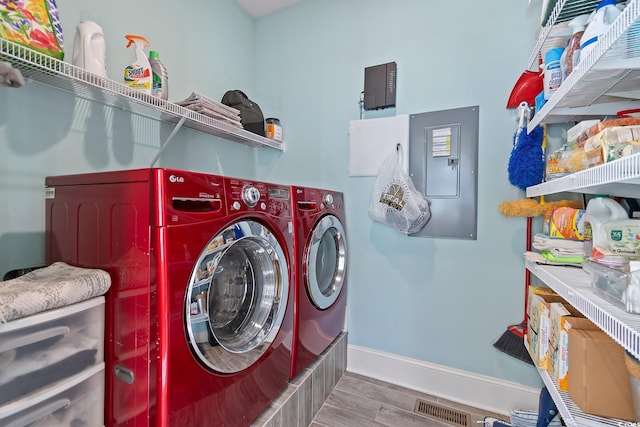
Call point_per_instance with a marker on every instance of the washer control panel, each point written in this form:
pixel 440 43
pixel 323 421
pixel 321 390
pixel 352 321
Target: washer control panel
pixel 250 196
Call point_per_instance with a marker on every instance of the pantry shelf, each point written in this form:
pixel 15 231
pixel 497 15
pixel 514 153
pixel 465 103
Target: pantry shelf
pixel 574 285
pixel 605 81
pixel 619 177
pixel 52 72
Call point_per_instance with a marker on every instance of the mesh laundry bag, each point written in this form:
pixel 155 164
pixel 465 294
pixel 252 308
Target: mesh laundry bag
pixel 395 202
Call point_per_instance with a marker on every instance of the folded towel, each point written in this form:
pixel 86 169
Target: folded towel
pixel 57 285
pixel 540 259
pixel 559 247
pixel 10 76
pixel 566 259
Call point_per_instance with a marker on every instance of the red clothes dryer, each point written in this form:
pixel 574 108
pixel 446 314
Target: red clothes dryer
pixel 320 264
pixel 200 312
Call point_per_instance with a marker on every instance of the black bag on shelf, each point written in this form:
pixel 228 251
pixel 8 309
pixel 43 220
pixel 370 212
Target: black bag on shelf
pixel 251 115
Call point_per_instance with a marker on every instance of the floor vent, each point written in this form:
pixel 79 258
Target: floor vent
pixel 443 413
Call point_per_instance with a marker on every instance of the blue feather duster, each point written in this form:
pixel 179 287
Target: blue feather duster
pixel 527 163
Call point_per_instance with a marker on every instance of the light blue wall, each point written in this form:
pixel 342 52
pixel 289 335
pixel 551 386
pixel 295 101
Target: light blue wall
pixel 435 300
pixel 207 46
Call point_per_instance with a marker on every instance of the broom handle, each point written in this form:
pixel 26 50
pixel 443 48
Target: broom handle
pixel 527 273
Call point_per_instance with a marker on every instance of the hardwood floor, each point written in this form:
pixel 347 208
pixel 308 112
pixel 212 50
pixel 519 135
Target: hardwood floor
pixel 361 401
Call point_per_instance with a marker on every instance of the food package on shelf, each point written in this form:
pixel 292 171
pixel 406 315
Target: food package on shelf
pixel 539 324
pixel 566 223
pixel 611 143
pixel 564 161
pixel 560 347
pixel 602 125
pixel 577 135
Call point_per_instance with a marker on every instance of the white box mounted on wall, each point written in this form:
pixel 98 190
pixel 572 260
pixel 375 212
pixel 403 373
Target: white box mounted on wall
pixel 372 140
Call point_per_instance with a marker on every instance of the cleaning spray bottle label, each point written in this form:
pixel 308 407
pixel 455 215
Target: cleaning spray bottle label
pixel 137 77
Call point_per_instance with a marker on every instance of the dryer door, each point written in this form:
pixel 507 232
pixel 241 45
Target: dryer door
pixel 326 261
pixel 237 297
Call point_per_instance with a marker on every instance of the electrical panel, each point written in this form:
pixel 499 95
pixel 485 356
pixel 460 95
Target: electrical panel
pixel 443 165
pixel 380 86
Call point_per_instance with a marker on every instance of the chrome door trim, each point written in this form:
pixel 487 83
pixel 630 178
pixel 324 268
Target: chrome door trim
pixel 324 299
pixel 240 326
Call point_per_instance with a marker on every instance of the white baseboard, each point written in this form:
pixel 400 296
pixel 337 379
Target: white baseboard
pixel 479 391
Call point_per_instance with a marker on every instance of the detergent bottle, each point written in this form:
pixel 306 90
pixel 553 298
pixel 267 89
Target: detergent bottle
pixel 605 13
pixel 89 48
pixel 137 75
pixel 160 76
pixel 600 209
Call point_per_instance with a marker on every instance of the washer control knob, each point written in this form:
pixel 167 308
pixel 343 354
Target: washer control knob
pixel 236 205
pixel 328 199
pixel 250 195
pixel 263 206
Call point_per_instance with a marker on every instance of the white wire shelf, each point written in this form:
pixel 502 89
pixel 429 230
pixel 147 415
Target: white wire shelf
pixel 564 10
pixel 571 414
pixel 617 178
pixel 606 80
pixel 574 285
pixel 52 72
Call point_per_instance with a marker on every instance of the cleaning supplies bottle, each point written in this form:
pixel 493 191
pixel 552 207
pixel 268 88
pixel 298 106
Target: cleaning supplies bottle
pixel 137 75
pixel 89 48
pixel 605 13
pixel 552 72
pixel 578 25
pixel 600 209
pixel 160 78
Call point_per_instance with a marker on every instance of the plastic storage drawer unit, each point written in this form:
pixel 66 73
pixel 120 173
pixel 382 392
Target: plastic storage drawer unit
pixel 77 401
pixel 610 284
pixel 49 347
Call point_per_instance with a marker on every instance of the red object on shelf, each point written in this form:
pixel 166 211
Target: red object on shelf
pixel 528 86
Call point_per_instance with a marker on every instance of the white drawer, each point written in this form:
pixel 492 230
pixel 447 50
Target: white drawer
pixel 41 350
pixel 77 401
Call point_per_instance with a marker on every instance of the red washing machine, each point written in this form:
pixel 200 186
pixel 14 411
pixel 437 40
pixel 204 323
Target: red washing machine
pixel 200 312
pixel 320 260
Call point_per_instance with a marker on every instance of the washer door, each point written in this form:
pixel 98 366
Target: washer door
pixel 237 297
pixel 326 261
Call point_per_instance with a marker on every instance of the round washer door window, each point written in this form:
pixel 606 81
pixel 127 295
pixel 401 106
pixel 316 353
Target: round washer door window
pixel 326 261
pixel 237 297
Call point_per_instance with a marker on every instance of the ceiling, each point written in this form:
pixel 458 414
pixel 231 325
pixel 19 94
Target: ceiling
pixel 258 8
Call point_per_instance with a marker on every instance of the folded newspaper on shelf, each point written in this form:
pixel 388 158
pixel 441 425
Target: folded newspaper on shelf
pixel 214 109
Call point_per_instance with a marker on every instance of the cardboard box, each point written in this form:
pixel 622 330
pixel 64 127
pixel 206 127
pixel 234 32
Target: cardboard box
pixel 562 326
pixel 539 324
pixel 598 378
pixel 557 310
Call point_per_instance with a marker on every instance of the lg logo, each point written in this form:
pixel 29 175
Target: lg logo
pixel 174 178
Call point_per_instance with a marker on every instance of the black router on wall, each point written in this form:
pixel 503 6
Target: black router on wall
pixel 380 86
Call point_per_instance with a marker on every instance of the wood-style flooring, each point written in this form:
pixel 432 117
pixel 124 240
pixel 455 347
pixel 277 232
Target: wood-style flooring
pixel 361 401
